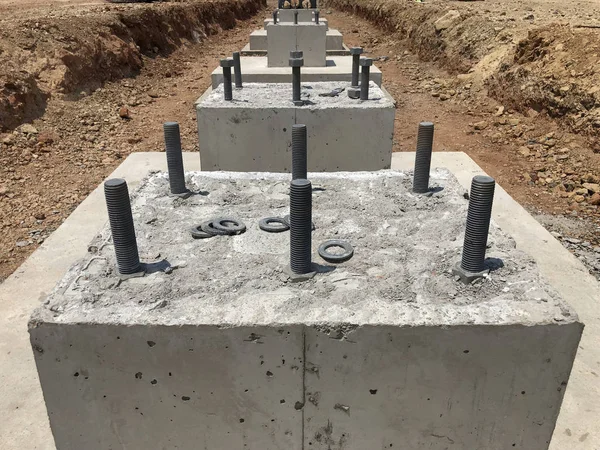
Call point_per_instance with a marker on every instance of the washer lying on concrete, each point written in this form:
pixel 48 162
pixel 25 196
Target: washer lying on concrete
pixel 386 350
pixel 253 132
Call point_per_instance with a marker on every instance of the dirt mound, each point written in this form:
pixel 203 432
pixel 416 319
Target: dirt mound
pixel 69 53
pixel 528 61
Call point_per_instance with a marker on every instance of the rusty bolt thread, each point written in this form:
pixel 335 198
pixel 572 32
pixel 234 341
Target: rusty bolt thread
pixel 364 82
pixel 299 152
pixel 237 67
pixel 300 226
pixel 174 158
pixel 481 199
pixel 275 14
pixel 317 14
pixel 423 158
pixel 121 225
pixel 296 17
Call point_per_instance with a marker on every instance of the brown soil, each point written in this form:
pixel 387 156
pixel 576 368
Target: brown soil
pixel 49 166
pixel 490 83
pixel 73 81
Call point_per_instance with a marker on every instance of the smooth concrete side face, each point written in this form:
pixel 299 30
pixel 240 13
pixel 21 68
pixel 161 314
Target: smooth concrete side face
pixel 256 70
pixel 310 39
pixel 160 387
pixel 258 41
pixel 460 388
pixel 321 21
pixel 304 15
pixel 345 138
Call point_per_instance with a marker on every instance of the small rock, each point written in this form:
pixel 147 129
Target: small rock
pixel 124 112
pixel 444 97
pixel 40 216
pixel 22 244
pixel 29 129
pixel 581 191
pixel 4 190
pixel 524 151
pixel 595 199
pixel 447 20
pixel 529 17
pixel 593 187
pixel 579 198
pixel 46 137
pixel 513 122
pixel 500 111
pixel 480 125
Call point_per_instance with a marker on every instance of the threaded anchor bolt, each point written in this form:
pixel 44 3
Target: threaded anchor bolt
pixel 175 159
pixel 366 64
pixel 237 67
pixel 472 265
pixel 227 64
pixel 317 14
pixel 299 152
pixel 296 62
pixel 355 52
pixel 300 226
pixel 121 225
pixel 275 15
pixel 423 158
pixel 296 17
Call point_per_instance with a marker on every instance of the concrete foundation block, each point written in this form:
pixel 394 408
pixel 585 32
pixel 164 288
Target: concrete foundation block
pixel 384 351
pixel 310 39
pixel 480 387
pixel 304 15
pixel 256 70
pixel 185 387
pixel 253 133
pixel 335 40
pixel 321 21
pixel 258 41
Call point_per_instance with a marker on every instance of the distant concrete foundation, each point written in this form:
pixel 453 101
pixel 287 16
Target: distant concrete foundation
pixel 258 44
pixel 387 350
pixel 256 70
pixel 311 39
pixel 253 132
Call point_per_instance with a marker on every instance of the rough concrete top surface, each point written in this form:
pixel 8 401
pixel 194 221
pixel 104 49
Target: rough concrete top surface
pixel 279 95
pixel 405 246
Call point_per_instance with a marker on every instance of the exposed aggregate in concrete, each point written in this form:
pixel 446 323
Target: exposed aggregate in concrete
pixel 405 246
pixel 279 95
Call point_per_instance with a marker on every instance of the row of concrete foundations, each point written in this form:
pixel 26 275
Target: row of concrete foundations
pixel 218 356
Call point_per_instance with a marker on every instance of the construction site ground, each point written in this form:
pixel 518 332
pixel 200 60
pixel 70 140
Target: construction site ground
pixel 515 85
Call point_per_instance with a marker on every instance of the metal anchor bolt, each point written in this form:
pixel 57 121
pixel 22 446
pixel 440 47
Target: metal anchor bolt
pixel 227 64
pixel 481 198
pixel 299 152
pixel 237 67
pixel 296 62
pixel 366 64
pixel 174 159
pixel 300 226
pixel 423 158
pixel 122 228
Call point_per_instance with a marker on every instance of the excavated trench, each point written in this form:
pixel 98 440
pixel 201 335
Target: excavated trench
pixel 547 66
pixel 76 52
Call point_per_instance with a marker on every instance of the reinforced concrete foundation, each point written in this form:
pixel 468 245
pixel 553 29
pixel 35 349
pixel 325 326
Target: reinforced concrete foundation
pixel 321 21
pixel 311 39
pixel 215 349
pixel 258 44
pixel 253 132
pixel 256 70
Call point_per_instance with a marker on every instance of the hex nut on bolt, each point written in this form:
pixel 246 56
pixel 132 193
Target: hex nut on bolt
pixel 354 92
